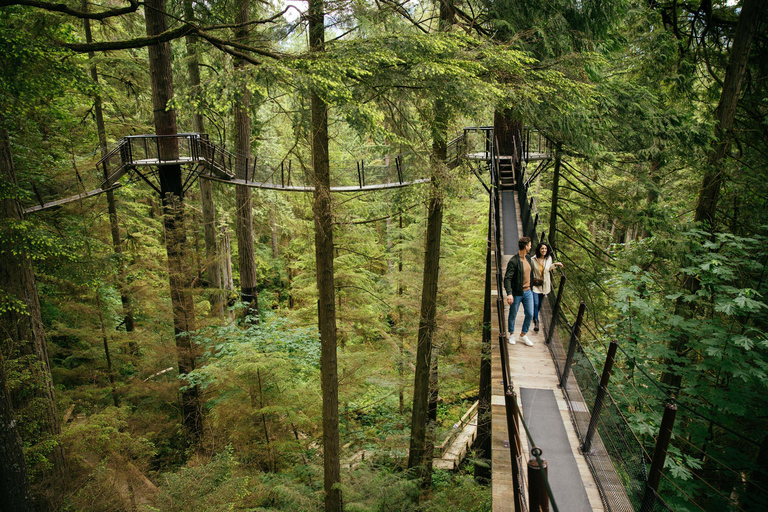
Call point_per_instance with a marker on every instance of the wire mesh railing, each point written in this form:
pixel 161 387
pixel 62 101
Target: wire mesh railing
pixel 718 472
pixel 618 461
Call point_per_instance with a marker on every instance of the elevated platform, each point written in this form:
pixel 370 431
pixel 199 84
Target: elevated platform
pixel 532 368
pixel 295 188
pixel 485 156
pixel 201 158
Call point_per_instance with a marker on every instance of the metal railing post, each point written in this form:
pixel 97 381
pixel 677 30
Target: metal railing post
pixel 572 345
pixel 659 454
pixel 538 501
pixel 502 344
pixel 513 429
pixel 556 309
pixel 602 389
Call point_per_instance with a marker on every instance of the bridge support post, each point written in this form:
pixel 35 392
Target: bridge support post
pixel 556 309
pixel 659 455
pixel 572 345
pixel 513 430
pixel 503 345
pixel 538 501
pixel 602 389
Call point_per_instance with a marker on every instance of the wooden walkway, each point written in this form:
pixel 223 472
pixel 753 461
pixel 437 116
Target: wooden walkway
pixel 530 367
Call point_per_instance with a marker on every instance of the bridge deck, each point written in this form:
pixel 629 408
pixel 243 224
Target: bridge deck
pixel 531 367
pixel 486 156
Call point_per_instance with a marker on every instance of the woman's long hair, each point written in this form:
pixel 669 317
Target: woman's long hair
pixel 538 251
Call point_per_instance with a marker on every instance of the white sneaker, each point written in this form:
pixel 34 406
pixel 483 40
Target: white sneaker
pixel 527 340
pixel 511 339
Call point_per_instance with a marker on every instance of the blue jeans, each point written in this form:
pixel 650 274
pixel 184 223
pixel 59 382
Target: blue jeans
pixel 538 298
pixel 527 300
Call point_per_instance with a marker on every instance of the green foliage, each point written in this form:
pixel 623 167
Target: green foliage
pixel 723 367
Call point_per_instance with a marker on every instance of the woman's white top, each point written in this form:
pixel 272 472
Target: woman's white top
pixel 542 268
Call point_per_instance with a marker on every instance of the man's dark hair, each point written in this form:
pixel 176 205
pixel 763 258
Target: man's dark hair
pixel 523 242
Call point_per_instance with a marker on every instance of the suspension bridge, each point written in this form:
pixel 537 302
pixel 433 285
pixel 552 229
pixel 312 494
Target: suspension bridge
pixel 559 440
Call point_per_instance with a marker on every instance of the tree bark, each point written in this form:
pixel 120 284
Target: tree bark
pixel 212 262
pixel 752 12
pixel 273 229
pixel 427 326
pixel 245 243
pixel 117 245
pixel 429 445
pixel 14 482
pixel 22 327
pixel 326 304
pixel 508 131
pixel 555 197
pixel 171 190
pixel 418 452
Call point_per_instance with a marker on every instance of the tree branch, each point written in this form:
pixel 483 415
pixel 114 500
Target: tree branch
pixel 63 8
pixel 138 42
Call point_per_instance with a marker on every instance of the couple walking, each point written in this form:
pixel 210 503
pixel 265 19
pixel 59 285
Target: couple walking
pixel 526 281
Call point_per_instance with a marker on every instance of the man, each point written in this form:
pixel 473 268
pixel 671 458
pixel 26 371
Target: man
pixel 517 283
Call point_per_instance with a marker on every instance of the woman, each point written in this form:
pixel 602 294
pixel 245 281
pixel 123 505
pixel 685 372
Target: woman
pixel 542 266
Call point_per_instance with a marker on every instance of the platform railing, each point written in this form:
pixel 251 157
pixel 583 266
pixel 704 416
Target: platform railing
pixel 530 476
pixel 617 459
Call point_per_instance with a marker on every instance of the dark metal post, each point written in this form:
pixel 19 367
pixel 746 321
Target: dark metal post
pixel 659 454
pixel 359 176
pixel 602 389
pixel 538 501
pixel 513 430
pixel 572 345
pixel 556 310
pixel 502 343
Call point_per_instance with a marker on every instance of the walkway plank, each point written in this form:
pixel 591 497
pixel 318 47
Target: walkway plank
pixel 530 367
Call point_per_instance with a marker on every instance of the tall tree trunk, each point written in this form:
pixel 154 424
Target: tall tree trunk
pixel 418 453
pixel 245 244
pixel 171 190
pixel 749 20
pixel 117 245
pixel 14 482
pixel 326 304
pixel 752 12
pixel 429 445
pixel 427 325
pixel 227 281
pixel 22 326
pixel 483 443
pixel 652 199
pixel 508 131
pixel 555 197
pixel 212 262
pixel 273 229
